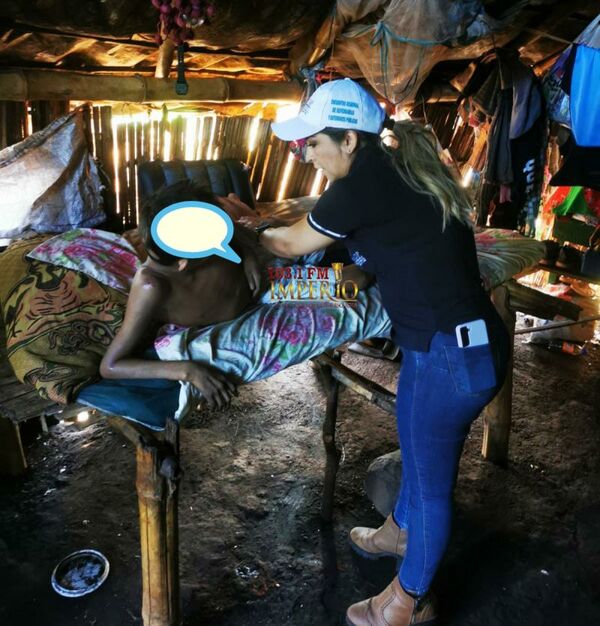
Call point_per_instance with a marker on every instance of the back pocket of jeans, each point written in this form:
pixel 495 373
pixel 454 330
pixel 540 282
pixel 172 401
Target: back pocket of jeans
pixel 472 369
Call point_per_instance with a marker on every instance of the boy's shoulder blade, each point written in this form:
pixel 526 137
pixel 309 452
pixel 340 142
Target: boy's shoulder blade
pixel 149 282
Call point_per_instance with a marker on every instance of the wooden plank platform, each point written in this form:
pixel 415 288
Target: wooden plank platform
pixel 559 271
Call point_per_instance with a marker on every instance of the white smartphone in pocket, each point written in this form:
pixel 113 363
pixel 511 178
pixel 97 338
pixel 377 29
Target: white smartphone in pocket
pixel 471 334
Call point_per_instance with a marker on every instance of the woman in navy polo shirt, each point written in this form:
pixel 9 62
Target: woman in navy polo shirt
pixel 405 222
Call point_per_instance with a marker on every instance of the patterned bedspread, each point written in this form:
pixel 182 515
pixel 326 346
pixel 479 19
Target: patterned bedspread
pixel 272 337
pixel 58 322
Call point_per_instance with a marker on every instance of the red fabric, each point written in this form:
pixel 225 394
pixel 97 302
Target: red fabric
pixel 592 198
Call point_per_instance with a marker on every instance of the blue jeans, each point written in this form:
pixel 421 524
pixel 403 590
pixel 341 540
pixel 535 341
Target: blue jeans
pixel 440 393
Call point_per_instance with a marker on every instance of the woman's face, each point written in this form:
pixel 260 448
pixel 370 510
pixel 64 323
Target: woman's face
pixel 333 158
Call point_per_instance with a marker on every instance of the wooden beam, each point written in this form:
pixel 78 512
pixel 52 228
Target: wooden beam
pixel 21 85
pixel 28 29
pixel 6 43
pixel 541 33
pixel 533 302
pixel 365 387
pixel 553 325
pixel 332 452
pixel 160 602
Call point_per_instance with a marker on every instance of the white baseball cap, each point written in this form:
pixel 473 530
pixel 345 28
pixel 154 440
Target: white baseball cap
pixel 337 104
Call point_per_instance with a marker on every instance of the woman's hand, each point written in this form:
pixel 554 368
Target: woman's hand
pixel 215 387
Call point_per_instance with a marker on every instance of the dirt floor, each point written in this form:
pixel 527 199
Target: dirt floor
pixel 525 548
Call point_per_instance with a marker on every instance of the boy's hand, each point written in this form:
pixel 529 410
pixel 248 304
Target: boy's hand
pixel 215 387
pixel 252 271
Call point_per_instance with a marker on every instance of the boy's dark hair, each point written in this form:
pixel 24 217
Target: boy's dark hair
pixel 182 191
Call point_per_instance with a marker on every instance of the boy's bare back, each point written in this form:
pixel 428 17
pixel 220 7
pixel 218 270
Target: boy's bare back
pixel 206 292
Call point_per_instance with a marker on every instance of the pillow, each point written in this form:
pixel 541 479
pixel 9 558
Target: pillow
pixel 106 257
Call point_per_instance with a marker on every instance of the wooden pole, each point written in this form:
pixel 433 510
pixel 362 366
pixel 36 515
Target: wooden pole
pixel 157 485
pixel 171 472
pixel 331 451
pixel 21 85
pixel 157 501
pixel 166 53
pixel 497 415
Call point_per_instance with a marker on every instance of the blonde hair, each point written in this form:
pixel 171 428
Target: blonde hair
pixel 417 161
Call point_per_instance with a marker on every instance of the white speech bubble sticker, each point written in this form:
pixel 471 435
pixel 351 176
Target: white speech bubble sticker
pixel 194 230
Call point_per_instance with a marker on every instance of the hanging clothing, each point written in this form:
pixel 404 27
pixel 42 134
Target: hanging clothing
pixel 585 103
pixel 527 160
pixel 516 145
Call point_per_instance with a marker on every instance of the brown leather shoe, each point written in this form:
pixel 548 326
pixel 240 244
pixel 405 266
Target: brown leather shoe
pixel 392 607
pixel 373 543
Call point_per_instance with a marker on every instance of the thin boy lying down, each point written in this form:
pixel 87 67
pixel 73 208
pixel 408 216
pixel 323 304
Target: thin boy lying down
pixel 186 292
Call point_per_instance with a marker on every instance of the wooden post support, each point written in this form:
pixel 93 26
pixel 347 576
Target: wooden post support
pixel 160 600
pixel 12 457
pixel 498 413
pixel 157 486
pixel 331 451
pixel 171 472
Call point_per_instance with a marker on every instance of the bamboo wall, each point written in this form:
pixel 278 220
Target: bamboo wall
pixel 451 131
pixel 121 144
pixel 19 119
pixel 13 123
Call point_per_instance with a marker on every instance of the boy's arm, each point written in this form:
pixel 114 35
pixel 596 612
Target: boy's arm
pixel 359 276
pixel 140 316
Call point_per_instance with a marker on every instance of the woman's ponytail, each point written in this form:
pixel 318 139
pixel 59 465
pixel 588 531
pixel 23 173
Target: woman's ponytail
pixel 417 161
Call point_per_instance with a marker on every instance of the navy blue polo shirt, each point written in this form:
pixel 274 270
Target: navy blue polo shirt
pixel 429 278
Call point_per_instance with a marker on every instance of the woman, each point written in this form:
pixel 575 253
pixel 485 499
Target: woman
pixel 407 222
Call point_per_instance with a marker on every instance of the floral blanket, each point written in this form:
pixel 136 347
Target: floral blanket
pixel 272 337
pixel 503 254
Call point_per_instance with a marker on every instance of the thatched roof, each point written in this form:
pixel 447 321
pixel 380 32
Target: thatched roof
pixel 252 39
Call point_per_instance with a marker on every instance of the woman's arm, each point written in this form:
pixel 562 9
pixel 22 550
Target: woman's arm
pixel 295 240
pixel 140 317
